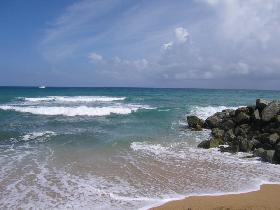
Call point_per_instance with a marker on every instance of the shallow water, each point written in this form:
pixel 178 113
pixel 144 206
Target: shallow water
pixel 116 148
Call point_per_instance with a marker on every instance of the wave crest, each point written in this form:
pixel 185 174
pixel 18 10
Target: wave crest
pixel 74 99
pixel 75 111
pixel 207 111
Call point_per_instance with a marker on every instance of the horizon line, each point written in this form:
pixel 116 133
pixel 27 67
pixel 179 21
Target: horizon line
pixel 135 87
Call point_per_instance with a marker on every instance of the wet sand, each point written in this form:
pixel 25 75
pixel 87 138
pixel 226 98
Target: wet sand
pixel 267 198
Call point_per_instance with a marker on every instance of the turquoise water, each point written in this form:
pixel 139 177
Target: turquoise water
pixel 116 148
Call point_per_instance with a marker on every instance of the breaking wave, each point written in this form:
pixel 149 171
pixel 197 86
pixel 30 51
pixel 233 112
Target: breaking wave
pixel 75 111
pixel 74 99
pixel 37 135
pixel 207 111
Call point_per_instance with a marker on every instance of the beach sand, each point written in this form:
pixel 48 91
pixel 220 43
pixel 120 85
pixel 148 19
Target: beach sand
pixel 267 198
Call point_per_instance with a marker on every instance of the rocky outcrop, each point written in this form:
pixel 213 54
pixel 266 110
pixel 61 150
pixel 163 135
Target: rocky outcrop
pixel 195 123
pixel 253 129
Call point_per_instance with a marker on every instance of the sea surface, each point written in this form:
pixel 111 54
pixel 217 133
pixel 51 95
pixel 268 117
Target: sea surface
pixel 116 148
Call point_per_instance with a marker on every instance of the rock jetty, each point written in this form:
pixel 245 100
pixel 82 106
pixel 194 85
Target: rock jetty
pixel 253 129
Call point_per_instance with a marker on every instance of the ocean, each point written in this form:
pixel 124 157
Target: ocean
pixel 117 148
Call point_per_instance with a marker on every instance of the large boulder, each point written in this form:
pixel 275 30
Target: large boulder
pixel 256 115
pixel 266 155
pixel 242 117
pixel 195 122
pixel 260 152
pixel 215 142
pixel 273 138
pixel 214 121
pixel 204 144
pixel 269 156
pixel 242 130
pixel 218 133
pixel 227 124
pixel 255 144
pixel 244 144
pixel 263 138
pixel 277 119
pixel 271 127
pixel 277 151
pixel 251 109
pixel 270 111
pixel 261 104
pixel 229 136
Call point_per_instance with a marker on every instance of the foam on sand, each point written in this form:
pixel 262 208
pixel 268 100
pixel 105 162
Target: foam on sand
pixel 150 148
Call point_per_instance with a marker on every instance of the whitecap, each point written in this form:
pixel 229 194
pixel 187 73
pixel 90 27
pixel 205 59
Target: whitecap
pixel 75 111
pixel 206 111
pixel 75 99
pixel 35 135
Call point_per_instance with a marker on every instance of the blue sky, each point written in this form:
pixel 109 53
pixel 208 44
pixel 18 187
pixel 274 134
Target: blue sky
pixel 160 43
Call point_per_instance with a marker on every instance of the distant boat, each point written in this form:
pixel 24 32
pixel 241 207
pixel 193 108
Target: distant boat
pixel 42 87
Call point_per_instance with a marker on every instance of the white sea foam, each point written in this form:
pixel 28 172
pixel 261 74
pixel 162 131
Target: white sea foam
pixel 150 148
pixel 206 111
pixel 76 111
pixel 75 99
pixel 35 135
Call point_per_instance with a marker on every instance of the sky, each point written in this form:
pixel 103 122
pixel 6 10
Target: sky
pixel 141 43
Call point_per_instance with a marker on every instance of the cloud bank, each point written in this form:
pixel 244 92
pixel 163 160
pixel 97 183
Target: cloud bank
pixel 170 43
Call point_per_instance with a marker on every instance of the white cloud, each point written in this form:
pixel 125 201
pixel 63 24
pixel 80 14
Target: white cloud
pixel 94 57
pixel 167 45
pixel 133 63
pixel 229 39
pixel 181 34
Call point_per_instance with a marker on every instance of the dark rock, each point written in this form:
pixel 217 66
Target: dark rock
pixel 225 148
pixel 227 124
pixel 234 147
pixel 273 138
pixel 228 111
pixel 217 133
pixel 267 146
pixel 261 104
pixel 215 142
pixel 263 137
pixel 260 152
pixel 277 119
pixel 270 127
pixel 195 122
pixel 256 115
pixel 251 128
pixel 242 130
pixel 229 136
pixel 198 128
pixel 277 151
pixel 251 109
pixel 269 156
pixel 244 144
pixel 241 109
pixel 242 117
pixel 204 144
pixel 232 113
pixel 214 121
pixel 255 144
pixel 270 111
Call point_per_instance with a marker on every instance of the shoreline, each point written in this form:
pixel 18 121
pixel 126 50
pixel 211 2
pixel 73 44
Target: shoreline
pixel 266 196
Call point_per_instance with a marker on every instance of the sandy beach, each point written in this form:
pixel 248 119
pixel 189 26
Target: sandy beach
pixel 267 198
